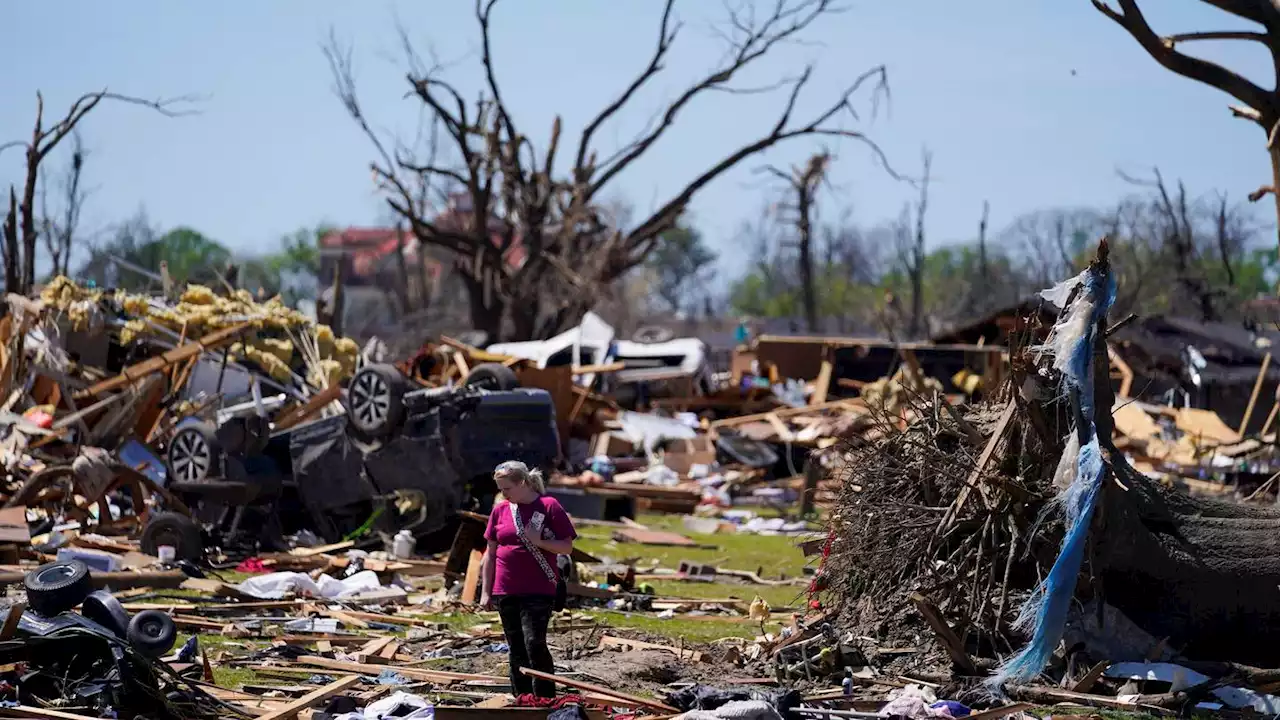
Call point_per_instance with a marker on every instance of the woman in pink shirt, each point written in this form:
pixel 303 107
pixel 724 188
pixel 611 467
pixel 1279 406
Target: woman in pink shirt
pixel 526 532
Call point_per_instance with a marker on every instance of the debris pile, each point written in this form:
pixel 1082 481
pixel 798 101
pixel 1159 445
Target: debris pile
pixel 950 534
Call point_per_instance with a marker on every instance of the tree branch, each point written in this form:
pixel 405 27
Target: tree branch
pixel 784 23
pixel 666 36
pixel 1263 12
pixel 640 240
pixel 1172 40
pixel 1130 18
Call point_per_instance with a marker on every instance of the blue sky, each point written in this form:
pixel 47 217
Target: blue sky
pixel 1025 103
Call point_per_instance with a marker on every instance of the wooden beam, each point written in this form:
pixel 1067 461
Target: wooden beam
pixel 634 700
pixel 312 698
pixel 950 641
pixel 167 359
pixel 1253 397
pixel 976 474
pixel 845 404
pixel 822 384
pixel 301 413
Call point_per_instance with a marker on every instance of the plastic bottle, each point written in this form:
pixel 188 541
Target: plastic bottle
pixel 402 545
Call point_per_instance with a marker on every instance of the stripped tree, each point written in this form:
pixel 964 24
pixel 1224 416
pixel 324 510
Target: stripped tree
pixel 533 243
pixel 1260 105
pixel 21 230
pixel 803 183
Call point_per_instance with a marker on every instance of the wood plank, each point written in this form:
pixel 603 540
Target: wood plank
pixel 322 549
pixel 851 404
pixel 950 641
pixel 823 384
pixel 471 585
pixel 1253 396
pixel 983 459
pixel 1090 678
pixel 439 676
pixel 635 700
pixel 150 366
pixel 312 698
pixel 607 641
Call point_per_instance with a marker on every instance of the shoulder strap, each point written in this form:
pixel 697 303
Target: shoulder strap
pixel 535 552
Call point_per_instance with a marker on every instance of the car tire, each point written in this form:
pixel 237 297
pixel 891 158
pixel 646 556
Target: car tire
pixel 152 633
pixel 103 608
pixel 195 453
pixel 57 587
pixel 492 376
pixel 375 399
pixel 176 530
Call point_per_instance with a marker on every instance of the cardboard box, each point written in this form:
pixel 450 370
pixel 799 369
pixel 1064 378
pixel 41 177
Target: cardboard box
pixel 681 455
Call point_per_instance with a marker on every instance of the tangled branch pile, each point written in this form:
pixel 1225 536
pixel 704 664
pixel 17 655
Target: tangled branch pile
pixel 914 517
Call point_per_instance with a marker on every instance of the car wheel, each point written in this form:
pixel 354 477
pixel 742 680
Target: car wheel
pixel 57 587
pixel 195 453
pixel 375 399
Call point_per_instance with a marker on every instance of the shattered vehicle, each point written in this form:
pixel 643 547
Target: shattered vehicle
pixel 400 457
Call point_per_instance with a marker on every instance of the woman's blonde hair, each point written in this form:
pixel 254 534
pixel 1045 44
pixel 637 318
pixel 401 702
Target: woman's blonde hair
pixel 521 473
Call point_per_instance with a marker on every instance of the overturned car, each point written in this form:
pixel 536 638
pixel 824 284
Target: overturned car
pixel 400 457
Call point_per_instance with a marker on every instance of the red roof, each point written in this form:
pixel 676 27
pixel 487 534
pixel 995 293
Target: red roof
pixel 367 247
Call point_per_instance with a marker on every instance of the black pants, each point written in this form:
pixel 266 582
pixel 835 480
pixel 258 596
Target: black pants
pixel 524 622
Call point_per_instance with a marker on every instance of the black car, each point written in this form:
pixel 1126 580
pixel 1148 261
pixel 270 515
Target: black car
pixel 398 458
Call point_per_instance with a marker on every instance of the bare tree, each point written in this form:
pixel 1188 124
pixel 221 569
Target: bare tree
pixel 911 248
pixel 59 232
pixel 979 297
pixel 803 183
pixel 1172 223
pixel 20 227
pixel 1260 105
pixel 530 241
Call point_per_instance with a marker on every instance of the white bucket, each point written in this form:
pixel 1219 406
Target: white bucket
pixel 167 553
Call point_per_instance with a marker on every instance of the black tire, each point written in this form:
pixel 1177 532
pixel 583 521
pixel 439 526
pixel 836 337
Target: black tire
pixel 492 376
pixel 57 587
pixel 195 453
pixel 176 530
pixel 152 633
pixel 375 399
pixel 103 608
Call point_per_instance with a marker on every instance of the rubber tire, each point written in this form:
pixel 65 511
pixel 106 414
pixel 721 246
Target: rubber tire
pixel 103 608
pixel 209 434
pixel 57 587
pixel 492 376
pixel 394 380
pixel 152 633
pixel 179 528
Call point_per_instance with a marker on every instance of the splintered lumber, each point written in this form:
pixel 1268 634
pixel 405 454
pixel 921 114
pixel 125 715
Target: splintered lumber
pixel 950 641
pixel 635 700
pixel 1253 397
pixel 845 404
pixel 169 358
pixel 981 466
pixel 24 711
pixel 608 641
pixel 314 697
pixel 437 676
pixel 297 415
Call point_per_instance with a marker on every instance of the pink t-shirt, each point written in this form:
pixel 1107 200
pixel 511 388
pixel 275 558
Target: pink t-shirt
pixel 518 572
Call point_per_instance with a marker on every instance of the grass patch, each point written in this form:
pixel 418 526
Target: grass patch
pixel 691 630
pixel 774 554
